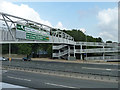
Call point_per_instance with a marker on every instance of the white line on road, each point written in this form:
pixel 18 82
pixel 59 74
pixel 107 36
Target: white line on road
pixel 60 85
pixel 109 69
pixel 100 69
pixel 19 78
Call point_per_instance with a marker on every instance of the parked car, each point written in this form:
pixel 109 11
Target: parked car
pixel 4 59
pixel 26 59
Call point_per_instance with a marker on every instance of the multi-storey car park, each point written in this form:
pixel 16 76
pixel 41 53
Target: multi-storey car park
pixel 86 51
pixel 20 30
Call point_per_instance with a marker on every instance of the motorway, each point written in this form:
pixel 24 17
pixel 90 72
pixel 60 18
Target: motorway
pixel 41 80
pixel 96 69
pixel 37 80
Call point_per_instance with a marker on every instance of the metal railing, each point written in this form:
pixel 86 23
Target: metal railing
pixel 97 50
pixel 60 54
pixel 64 52
pixel 101 58
pixel 59 46
pixel 96 44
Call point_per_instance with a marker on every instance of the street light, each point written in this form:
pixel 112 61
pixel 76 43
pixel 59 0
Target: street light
pixel 9 50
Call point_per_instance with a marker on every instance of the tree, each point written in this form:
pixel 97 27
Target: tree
pixel 108 41
pixel 80 36
pixel 5 48
pixel 24 48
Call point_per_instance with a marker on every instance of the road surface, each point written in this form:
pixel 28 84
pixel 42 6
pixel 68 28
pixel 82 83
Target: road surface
pixel 37 80
pixel 85 68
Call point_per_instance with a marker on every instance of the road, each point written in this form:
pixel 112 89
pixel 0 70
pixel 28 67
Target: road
pixel 37 80
pixel 85 68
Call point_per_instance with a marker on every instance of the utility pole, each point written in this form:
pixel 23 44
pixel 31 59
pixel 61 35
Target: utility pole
pixel 9 51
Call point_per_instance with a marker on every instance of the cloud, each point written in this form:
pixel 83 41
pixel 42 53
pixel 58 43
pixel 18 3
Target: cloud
pixel 106 35
pixel 60 26
pixel 23 11
pixel 26 12
pixel 83 30
pixel 108 24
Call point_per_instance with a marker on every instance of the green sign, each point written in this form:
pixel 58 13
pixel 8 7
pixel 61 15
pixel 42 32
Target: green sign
pixel 33 34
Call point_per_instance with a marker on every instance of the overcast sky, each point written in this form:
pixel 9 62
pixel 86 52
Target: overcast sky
pixel 99 19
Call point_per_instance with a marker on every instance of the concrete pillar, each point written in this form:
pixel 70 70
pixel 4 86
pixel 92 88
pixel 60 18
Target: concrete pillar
pixel 103 56
pixel 59 54
pixel 103 53
pixel 1 34
pixel 86 55
pixel 69 51
pixel 52 50
pixel 1 64
pixel 74 50
pixel 81 52
pixel 9 50
pixel 0 50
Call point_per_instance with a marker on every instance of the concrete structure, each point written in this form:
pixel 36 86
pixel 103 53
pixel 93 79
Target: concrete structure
pixel 94 51
pixel 20 30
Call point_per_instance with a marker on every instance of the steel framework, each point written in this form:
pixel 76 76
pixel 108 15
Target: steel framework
pixel 9 22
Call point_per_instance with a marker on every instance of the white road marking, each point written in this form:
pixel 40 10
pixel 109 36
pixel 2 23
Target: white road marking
pixel 109 69
pixel 101 69
pixel 19 78
pixel 60 85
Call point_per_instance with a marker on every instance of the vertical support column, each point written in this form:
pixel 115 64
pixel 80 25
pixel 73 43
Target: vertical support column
pixel 103 53
pixel 69 51
pixel 86 50
pixel 59 53
pixel 74 50
pixel 1 66
pixel 52 50
pixel 1 50
pixel 9 50
pixel 81 52
pixel 1 35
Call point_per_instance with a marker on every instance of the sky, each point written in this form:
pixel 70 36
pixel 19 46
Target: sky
pixel 98 19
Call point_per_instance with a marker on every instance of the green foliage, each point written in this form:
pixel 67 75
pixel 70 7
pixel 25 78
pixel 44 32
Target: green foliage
pixel 49 50
pixel 5 48
pixel 24 48
pixel 80 36
pixel 108 41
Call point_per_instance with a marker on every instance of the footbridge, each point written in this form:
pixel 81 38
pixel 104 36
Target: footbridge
pixel 15 29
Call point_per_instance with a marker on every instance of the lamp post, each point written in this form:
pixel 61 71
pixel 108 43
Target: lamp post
pixel 9 50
